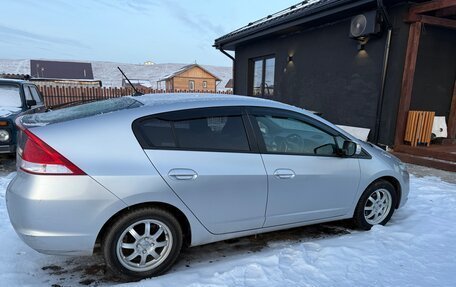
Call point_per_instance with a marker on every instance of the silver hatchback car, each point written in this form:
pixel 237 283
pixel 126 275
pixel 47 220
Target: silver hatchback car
pixel 146 176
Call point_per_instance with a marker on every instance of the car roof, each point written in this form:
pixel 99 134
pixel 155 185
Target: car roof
pixel 170 100
pixel 133 107
pixel 12 81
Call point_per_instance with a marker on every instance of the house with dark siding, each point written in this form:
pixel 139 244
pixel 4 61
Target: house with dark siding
pixel 362 63
pixel 62 73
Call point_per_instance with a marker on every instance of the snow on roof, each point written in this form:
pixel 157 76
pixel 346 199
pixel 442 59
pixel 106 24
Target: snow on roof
pixel 301 9
pixel 9 81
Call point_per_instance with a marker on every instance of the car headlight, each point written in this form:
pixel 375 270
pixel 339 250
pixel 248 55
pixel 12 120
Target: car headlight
pixel 403 166
pixel 4 135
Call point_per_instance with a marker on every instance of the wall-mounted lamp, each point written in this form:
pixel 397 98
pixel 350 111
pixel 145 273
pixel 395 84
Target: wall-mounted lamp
pixel 362 43
pixel 361 46
pixel 290 59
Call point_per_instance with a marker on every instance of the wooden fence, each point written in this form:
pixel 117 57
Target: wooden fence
pixel 59 96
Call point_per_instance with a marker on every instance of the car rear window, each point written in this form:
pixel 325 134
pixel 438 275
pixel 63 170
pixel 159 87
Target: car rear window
pixel 80 111
pixel 215 133
pixel 10 96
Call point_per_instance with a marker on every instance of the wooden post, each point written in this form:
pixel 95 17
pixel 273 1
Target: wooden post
pixel 407 81
pixel 452 117
pixel 432 6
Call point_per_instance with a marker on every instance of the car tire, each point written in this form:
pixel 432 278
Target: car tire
pixel 376 205
pixel 142 243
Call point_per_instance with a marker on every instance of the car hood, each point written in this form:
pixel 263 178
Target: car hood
pixel 380 153
pixel 9 112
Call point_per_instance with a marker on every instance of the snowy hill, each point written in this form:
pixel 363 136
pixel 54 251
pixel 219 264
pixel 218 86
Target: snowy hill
pixel 110 76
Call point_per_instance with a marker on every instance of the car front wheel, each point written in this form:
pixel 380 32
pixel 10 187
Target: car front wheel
pixel 376 205
pixel 142 243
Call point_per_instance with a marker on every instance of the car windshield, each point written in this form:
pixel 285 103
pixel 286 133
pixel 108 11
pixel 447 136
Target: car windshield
pixel 10 96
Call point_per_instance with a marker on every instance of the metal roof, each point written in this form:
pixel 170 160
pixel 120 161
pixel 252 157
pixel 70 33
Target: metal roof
pixel 61 70
pixel 302 10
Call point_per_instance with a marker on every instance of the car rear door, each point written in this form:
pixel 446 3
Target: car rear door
pixel 307 180
pixel 209 158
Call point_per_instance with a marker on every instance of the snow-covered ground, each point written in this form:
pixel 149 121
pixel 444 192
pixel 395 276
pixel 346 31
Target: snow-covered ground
pixel 417 248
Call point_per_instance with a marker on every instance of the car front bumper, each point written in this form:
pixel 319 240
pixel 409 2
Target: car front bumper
pixel 405 188
pixel 59 214
pixel 7 149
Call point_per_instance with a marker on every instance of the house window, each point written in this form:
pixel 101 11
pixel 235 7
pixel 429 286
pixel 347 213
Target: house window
pixel 191 85
pixel 263 77
pixel 204 84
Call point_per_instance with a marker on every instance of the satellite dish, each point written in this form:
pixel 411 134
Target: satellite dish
pixel 358 26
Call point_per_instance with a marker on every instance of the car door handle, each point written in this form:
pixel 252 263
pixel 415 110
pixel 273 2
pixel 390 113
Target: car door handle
pixel 284 173
pixel 182 174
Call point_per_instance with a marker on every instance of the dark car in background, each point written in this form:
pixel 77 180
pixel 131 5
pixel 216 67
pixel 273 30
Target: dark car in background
pixel 17 97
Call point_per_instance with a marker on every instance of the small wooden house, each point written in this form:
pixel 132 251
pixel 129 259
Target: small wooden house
pixel 191 78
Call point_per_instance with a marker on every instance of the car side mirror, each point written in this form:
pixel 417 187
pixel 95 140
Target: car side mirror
pixel 350 149
pixel 30 103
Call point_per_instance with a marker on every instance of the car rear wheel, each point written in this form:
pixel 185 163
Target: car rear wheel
pixel 142 243
pixel 376 205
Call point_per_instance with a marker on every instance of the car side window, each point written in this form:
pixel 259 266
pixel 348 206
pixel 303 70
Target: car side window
pixel 158 133
pixel 293 136
pixel 209 133
pixel 35 95
pixel 27 93
pixel 225 133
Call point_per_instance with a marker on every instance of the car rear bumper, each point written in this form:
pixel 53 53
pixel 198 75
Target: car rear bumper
pixel 59 214
pixel 7 149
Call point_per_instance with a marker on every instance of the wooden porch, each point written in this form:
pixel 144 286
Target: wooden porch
pixel 442 156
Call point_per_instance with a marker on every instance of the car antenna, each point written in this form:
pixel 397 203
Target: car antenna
pixel 137 93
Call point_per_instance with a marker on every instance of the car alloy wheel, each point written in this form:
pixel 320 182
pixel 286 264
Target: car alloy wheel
pixel 378 206
pixel 144 245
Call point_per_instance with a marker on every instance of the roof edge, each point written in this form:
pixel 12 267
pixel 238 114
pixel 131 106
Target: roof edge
pixel 284 21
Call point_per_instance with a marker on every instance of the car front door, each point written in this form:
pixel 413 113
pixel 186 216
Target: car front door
pixel 307 179
pixel 209 160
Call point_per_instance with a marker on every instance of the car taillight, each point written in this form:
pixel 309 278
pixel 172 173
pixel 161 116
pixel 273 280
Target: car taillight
pixel 37 157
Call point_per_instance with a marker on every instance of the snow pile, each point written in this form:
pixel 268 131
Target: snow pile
pixel 417 248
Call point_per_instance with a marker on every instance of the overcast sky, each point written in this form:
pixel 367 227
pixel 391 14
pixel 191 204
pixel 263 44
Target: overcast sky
pixel 130 31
